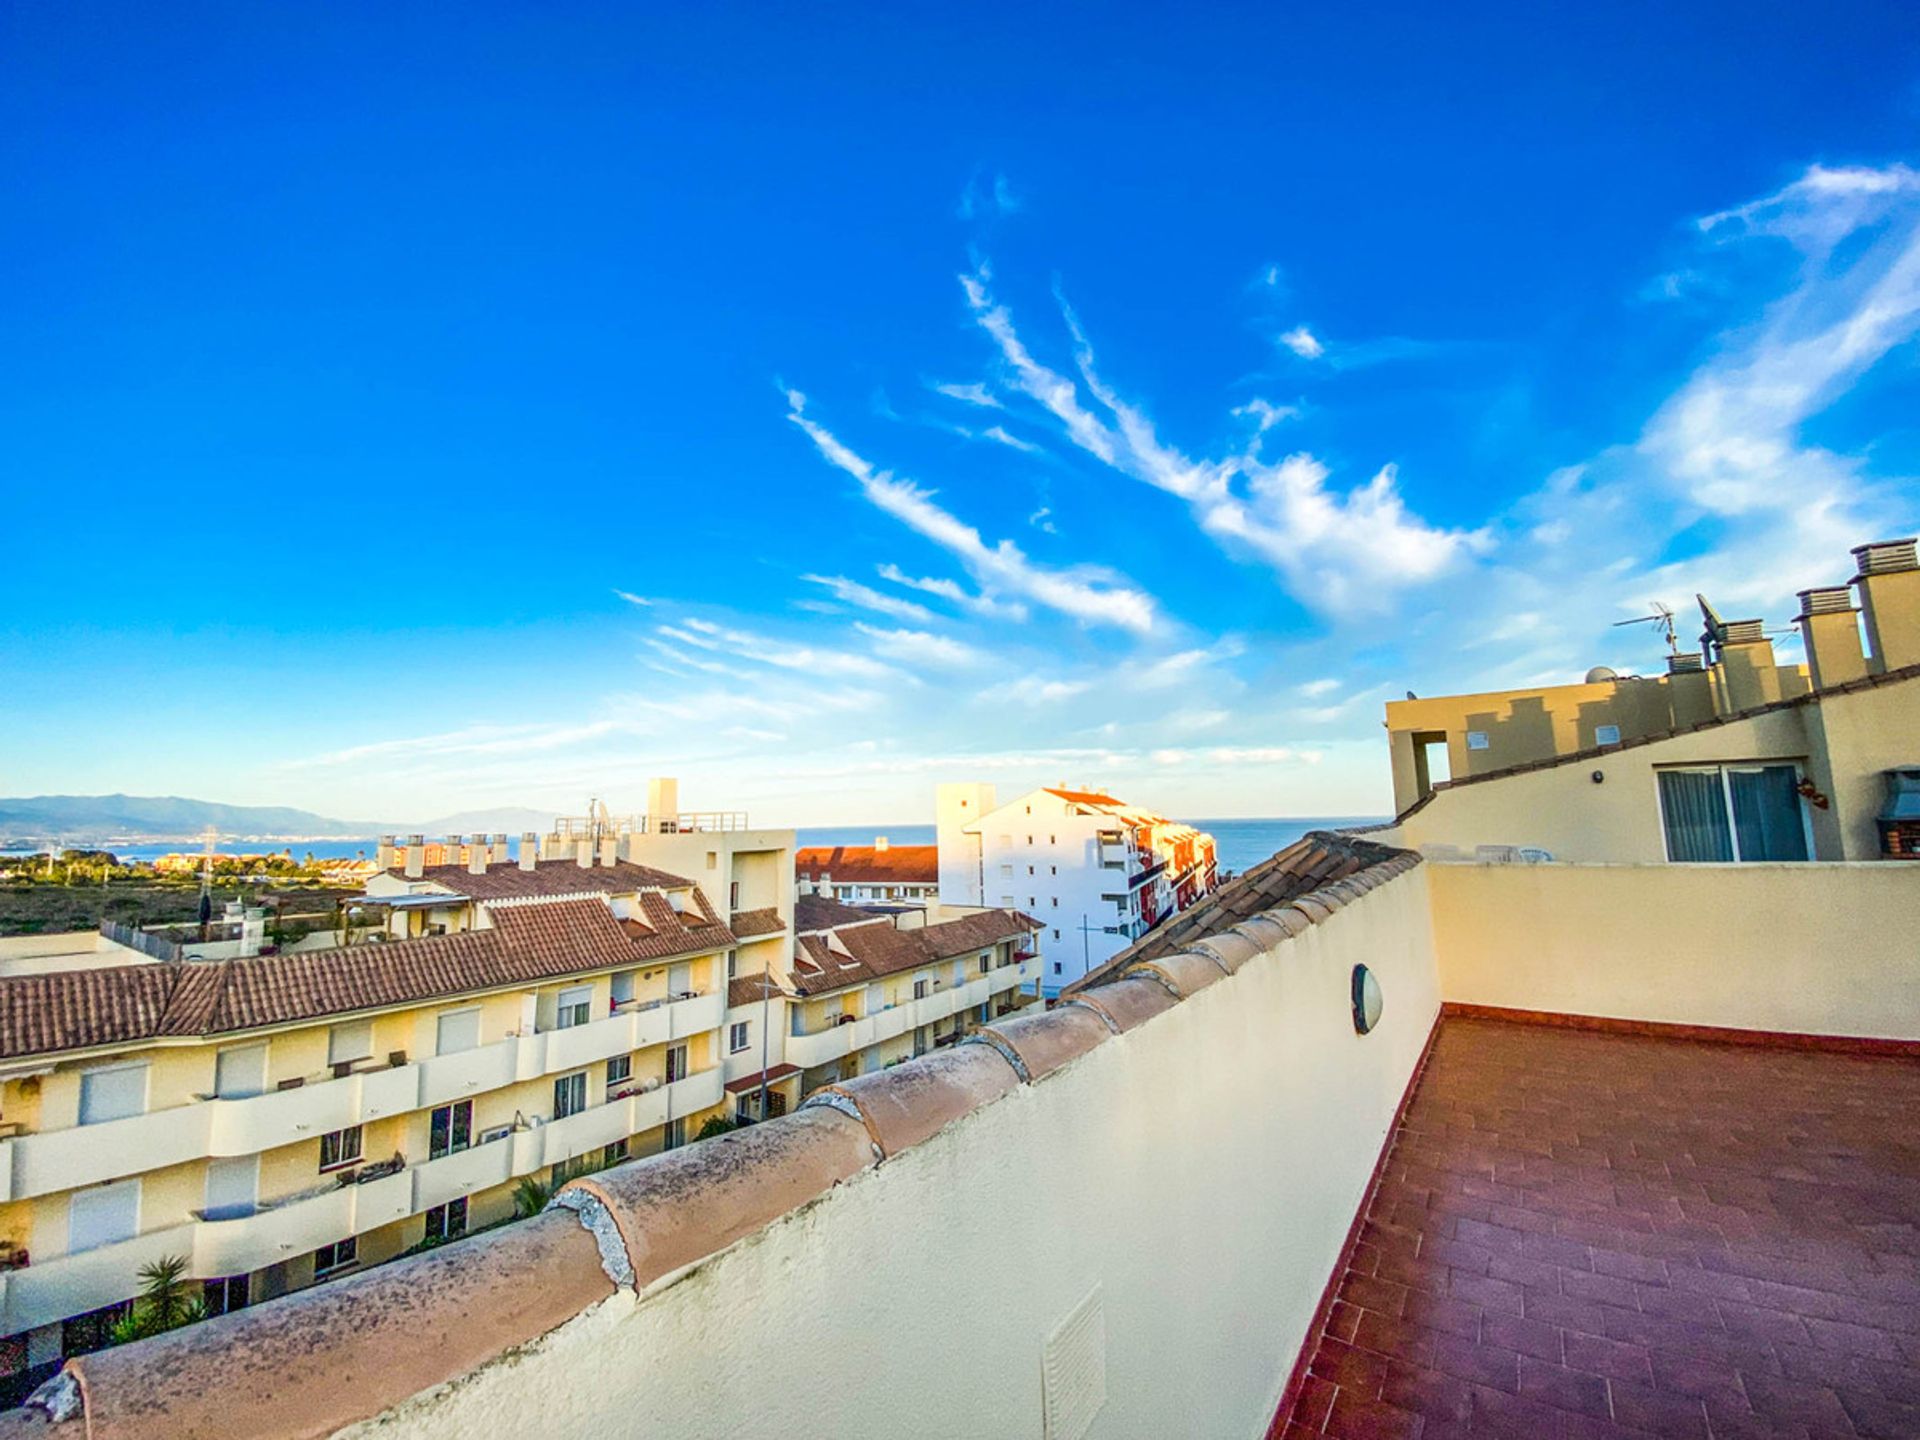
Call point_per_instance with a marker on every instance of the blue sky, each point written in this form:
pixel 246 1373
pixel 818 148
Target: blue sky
pixel 412 412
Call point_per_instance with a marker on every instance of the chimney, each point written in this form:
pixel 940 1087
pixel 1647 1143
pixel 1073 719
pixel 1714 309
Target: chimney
pixel 609 850
pixel 1689 689
pixel 880 844
pixel 384 856
pixel 583 854
pixel 478 853
pixel 1889 585
pixel 529 850
pixel 1830 629
pixel 1747 671
pixel 497 853
pixel 416 856
pixel 663 805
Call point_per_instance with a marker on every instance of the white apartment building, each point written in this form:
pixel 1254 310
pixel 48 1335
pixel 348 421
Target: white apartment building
pixel 1096 872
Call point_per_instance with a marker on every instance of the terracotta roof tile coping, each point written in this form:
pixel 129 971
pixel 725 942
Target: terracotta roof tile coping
pixel 692 1202
pixel 1127 1003
pixel 1047 1040
pixel 1183 974
pixel 322 1358
pixel 905 1104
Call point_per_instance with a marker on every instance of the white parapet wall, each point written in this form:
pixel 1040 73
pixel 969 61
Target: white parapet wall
pixel 1198 1174
pixel 1809 949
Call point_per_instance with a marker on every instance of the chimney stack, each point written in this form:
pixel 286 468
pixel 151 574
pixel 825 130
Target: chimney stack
pixel 1889 586
pixel 416 856
pixel 479 852
pixel 880 844
pixel 663 805
pixel 1747 671
pixel 609 850
pixel 1690 689
pixel 529 850
pixel 1830 630
pixel 583 854
pixel 384 856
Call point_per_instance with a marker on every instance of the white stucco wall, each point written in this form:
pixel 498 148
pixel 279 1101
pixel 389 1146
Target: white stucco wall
pixel 1815 949
pixel 1202 1170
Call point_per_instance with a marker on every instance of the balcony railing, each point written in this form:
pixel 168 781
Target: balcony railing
pixel 51 1161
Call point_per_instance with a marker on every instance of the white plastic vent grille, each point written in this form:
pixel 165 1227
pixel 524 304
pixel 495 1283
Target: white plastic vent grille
pixel 1073 1369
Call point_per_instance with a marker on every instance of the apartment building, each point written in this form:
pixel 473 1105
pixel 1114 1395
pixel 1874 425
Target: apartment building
pixel 1729 757
pixel 282 1119
pixel 1095 871
pixel 878 874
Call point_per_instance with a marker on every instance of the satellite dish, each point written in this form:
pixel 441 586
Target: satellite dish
pixel 1600 674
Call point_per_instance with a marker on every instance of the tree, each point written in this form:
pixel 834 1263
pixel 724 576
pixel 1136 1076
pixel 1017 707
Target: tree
pixel 530 1197
pixel 167 1301
pixel 716 1125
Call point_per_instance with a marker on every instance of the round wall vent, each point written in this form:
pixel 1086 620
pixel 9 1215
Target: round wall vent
pixel 1367 1000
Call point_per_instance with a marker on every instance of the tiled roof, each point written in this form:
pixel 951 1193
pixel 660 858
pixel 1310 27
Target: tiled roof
pixel 549 877
pixel 751 989
pixel 750 923
pixel 665 931
pixel 1084 797
pixel 866 864
pixel 1316 859
pixel 83 1009
pixel 1600 752
pixel 876 950
pixel 772 1075
pixel 819 912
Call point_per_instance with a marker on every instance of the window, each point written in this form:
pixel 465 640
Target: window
pixel 575 1007
pixel 1029 869
pixel 240 1072
pixel 350 1042
pixel 619 1068
pixel 986 961
pixel 713 859
pixel 569 1094
pixel 1606 734
pixel 920 988
pixel 737 1037
pixel 329 1259
pixel 676 1135
pixel 222 1297
pixel 733 964
pixel 1733 812
pixel 448 1221
pixel 1055 899
pixel 1056 934
pixel 676 1063
pixel 1006 872
pixel 616 1152
pixel 457 1030
pixel 450 1128
pixel 733 895
pixel 112 1092
pixel 1477 740
pixel 1056 967
pixel 103 1215
pixel 340 1147
pixel 233 1187
pixel 1053 869
pixel 623 987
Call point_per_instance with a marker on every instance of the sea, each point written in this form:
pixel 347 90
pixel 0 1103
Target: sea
pixel 1239 843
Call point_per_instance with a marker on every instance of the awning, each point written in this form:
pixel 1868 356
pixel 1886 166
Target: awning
pixel 417 901
pixel 752 1082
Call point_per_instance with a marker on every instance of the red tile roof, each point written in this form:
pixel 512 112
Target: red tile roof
pixel 748 924
pixel 877 950
pixel 819 912
pixel 548 878
pixel 126 1004
pixel 1084 797
pixel 751 989
pixel 773 1076
pixel 864 864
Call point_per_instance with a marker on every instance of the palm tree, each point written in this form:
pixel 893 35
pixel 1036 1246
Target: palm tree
pixel 530 1197
pixel 167 1301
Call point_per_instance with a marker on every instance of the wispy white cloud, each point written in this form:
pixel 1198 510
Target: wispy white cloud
pixel 764 650
pixel 1034 690
pixel 1265 414
pixel 1314 689
pixel 1338 552
pixel 868 598
pixel 971 394
pixel 1302 342
pixel 921 647
pixel 978 604
pixel 1042 519
pixel 1087 593
pixel 633 599
pixel 988 195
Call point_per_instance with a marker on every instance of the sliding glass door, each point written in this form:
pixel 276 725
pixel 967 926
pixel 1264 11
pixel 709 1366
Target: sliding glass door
pixel 1733 812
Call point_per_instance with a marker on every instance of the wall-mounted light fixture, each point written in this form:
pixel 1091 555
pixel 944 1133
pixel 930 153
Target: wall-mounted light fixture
pixel 1367 1000
pixel 1598 776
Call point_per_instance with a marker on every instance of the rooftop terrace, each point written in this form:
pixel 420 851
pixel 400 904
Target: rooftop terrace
pixel 1607 1235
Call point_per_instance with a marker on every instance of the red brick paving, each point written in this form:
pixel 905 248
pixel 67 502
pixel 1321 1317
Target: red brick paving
pixel 1579 1236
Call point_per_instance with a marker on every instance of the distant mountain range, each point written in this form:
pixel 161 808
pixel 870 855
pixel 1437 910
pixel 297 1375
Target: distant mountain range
pixel 76 819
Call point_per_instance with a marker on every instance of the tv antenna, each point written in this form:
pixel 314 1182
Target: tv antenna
pixel 1661 619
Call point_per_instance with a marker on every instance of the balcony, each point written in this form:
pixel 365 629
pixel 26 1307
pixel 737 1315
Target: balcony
pixel 828 1043
pixel 58 1160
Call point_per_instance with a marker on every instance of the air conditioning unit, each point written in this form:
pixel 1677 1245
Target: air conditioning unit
pixel 652 1084
pixel 498 1132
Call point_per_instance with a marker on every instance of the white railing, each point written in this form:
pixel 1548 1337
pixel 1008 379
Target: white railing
pixel 56 1160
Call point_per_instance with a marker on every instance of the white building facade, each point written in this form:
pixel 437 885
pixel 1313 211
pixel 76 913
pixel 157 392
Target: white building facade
pixel 1096 872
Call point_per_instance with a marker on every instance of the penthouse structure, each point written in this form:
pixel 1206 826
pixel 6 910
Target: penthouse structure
pixel 1377 1140
pixel 1096 872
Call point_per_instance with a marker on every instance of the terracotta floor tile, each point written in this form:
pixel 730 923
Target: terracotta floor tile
pixel 1586 1236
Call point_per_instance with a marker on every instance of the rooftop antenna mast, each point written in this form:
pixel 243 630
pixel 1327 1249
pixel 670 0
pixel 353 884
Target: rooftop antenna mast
pixel 1661 619
pixel 207 839
pixel 1715 635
